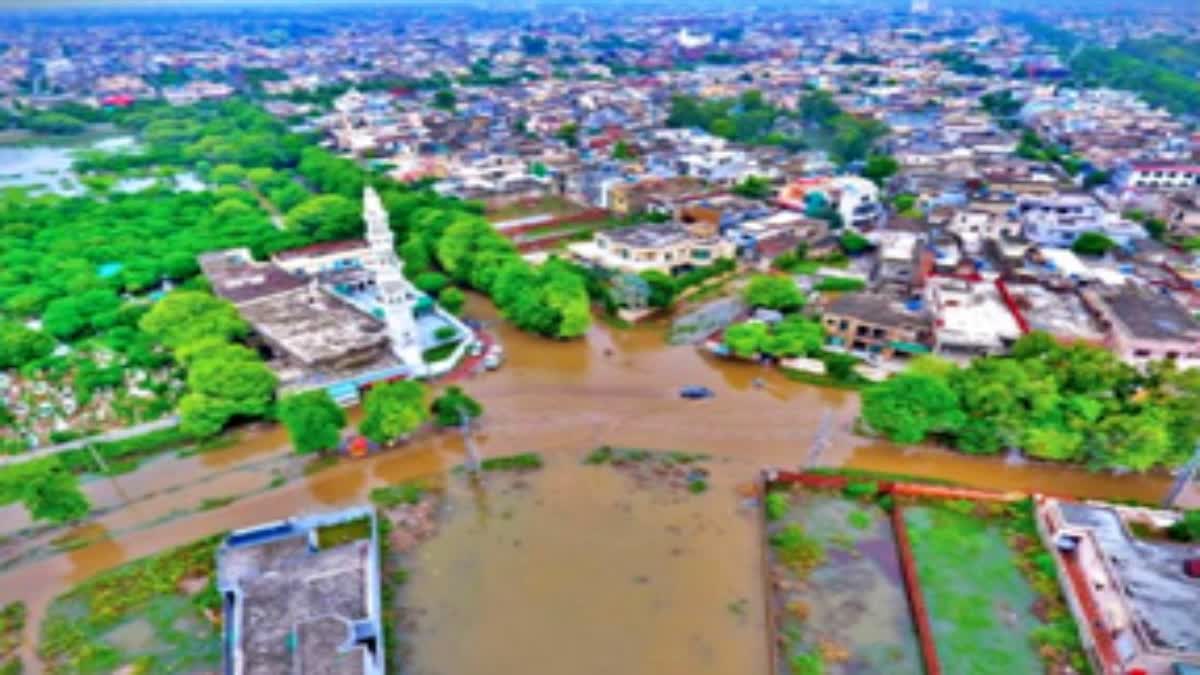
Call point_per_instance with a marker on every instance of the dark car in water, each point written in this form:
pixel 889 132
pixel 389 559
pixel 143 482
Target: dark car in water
pixel 696 392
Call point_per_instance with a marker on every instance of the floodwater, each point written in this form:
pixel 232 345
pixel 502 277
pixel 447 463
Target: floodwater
pixel 618 387
pixel 575 570
pixel 45 164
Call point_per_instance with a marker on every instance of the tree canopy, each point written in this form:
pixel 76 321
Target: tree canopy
pixel 774 292
pixel 1073 403
pixel 393 410
pixel 448 408
pixel 313 419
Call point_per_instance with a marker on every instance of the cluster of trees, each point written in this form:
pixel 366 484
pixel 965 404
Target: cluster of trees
pixel 1160 69
pixel 225 380
pixel 391 412
pixel 750 119
pixel 848 138
pixel 52 250
pixel 550 299
pixel 746 119
pixel 792 337
pixel 1072 403
pixel 779 293
pixel 664 288
pixel 1158 84
pixel 962 63
pixel 47 489
pixel 1034 148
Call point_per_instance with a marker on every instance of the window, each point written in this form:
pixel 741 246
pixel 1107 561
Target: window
pixel 1141 353
pixel 701 254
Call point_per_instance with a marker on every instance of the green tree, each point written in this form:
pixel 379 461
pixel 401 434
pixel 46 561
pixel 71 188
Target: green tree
pixel 313 419
pixel 227 174
pixel 794 336
pixel 880 167
pixel 853 243
pixel 55 123
pixel 448 408
pixel 663 289
pixel 325 217
pixel 54 496
pixel 746 339
pixel 445 99
pixel 1093 243
pixel 569 134
pixel 622 152
pixel 430 282
pixel 393 410
pixel 186 316
pixel 20 345
pixel 452 299
pixel 753 187
pixel 771 292
pixel 908 407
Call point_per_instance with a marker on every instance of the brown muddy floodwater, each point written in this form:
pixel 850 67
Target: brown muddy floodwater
pixel 575 570
pixel 617 387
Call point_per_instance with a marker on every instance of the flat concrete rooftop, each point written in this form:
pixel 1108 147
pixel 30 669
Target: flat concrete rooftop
pixel 1165 602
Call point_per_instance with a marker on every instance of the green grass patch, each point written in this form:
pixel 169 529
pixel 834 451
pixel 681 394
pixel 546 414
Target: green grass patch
pixel 526 461
pixel 609 455
pixel 697 486
pixel 211 503
pixel 979 603
pixel 397 495
pixel 440 352
pixel 331 536
pixel 139 615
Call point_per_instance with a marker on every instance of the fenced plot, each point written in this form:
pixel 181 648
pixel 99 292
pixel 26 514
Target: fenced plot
pixel 837 590
pixel 980 604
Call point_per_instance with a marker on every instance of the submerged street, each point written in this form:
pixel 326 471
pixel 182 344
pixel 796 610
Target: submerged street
pixel 618 387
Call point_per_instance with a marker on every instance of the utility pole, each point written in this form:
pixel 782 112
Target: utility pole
pixel 474 462
pixel 1185 477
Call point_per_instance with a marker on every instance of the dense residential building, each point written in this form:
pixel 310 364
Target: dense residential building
pixel 664 247
pixel 876 325
pixel 1145 324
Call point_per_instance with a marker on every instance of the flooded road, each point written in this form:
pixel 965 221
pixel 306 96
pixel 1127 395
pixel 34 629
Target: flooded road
pixel 619 387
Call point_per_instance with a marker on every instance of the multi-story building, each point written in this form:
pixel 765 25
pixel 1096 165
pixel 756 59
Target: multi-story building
pixel 664 247
pixel 871 324
pixel 1146 324
pixel 1060 219
pixel 1161 176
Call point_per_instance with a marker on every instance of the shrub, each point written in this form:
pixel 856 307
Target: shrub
pixel 777 504
pixel 860 489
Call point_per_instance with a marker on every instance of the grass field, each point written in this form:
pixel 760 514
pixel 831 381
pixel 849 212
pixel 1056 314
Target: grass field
pixel 980 604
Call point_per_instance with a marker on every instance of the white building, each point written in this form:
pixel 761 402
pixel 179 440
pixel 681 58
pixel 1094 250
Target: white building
pixel 1060 219
pixel 1162 176
pixel 970 318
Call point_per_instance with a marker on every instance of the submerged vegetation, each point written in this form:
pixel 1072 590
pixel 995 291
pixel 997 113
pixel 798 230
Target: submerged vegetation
pixel 171 594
